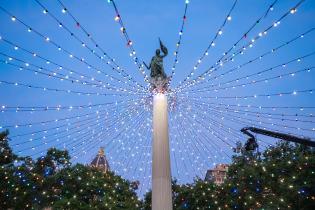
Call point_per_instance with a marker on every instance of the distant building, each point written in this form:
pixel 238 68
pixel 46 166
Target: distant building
pixel 100 161
pixel 217 174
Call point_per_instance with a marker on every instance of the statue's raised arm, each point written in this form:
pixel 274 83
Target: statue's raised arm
pixel 163 48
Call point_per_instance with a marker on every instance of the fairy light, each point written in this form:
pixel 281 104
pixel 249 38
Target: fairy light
pixel 179 41
pixel 240 51
pixel 252 82
pixel 269 116
pixel 212 43
pixel 62 76
pixel 217 112
pixel 120 70
pixel 87 124
pixel 231 58
pixel 132 54
pixel 69 91
pixel 124 127
pixel 61 67
pixel 62 49
pixel 259 73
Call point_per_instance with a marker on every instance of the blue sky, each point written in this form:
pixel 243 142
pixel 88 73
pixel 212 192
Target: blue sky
pixel 145 21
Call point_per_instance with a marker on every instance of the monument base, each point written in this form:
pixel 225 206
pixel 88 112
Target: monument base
pixel 159 84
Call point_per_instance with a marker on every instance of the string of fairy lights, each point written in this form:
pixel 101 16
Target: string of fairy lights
pixel 59 66
pixel 111 61
pixel 107 106
pixel 212 42
pixel 260 57
pixel 62 49
pixel 130 44
pixel 178 44
pixel 223 60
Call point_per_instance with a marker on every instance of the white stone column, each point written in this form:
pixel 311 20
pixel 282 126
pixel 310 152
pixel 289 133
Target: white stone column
pixel 161 167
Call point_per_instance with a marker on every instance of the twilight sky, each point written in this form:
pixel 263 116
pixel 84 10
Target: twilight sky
pixel 202 125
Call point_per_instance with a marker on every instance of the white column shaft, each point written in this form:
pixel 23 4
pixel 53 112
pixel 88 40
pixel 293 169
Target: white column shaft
pixel 161 167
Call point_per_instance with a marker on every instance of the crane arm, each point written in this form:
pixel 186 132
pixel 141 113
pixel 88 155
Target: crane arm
pixel 286 137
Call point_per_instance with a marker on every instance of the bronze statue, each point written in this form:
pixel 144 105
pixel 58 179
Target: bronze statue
pixel 156 65
pixel 159 80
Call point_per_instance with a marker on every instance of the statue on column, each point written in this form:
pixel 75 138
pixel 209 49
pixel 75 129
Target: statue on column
pixel 159 79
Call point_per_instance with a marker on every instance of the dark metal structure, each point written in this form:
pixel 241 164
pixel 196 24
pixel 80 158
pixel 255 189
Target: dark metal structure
pixel 251 143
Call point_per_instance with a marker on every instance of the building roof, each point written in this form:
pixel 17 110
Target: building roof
pixel 217 174
pixel 100 161
pixel 220 167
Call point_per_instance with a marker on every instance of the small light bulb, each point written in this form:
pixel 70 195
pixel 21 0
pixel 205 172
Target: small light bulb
pixel 229 18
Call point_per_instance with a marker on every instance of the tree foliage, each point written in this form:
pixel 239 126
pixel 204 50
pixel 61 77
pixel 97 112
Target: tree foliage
pixel 51 181
pixel 6 154
pixel 282 177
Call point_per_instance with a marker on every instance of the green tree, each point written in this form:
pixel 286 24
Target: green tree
pixel 51 181
pixel 282 178
pixel 6 154
pixel 81 186
pixel 54 159
pixel 198 195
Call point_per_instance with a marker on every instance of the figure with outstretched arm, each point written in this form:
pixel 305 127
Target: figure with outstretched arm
pixel 156 64
pixel 158 78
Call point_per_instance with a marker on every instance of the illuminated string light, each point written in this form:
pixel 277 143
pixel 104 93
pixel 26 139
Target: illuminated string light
pixel 212 43
pixel 63 49
pixel 259 73
pixel 178 44
pixel 71 71
pixel 239 51
pixel 123 126
pixel 62 77
pixel 129 42
pixel 111 60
